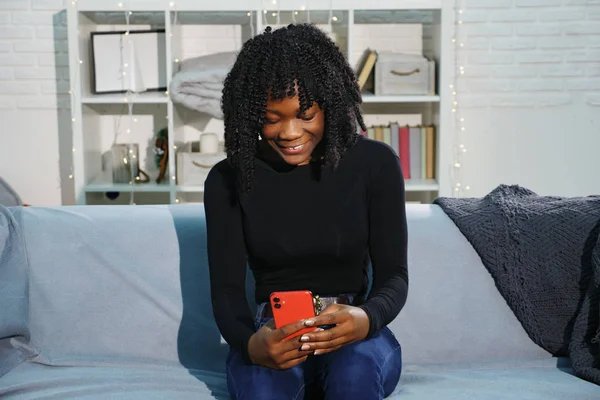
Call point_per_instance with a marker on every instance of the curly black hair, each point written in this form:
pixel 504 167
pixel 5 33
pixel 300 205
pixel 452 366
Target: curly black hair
pixel 298 57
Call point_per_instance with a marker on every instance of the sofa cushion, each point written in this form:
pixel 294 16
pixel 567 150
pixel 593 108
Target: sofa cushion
pixel 14 332
pixel 523 380
pixel 120 284
pixel 542 379
pixel 115 382
pixel 454 311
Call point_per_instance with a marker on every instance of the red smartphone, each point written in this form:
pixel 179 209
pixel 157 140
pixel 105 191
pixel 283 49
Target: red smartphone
pixel 292 306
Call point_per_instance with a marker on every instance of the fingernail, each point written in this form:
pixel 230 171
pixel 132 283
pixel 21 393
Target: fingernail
pixel 305 347
pixel 309 322
pixel 320 330
pixel 317 352
pixel 304 339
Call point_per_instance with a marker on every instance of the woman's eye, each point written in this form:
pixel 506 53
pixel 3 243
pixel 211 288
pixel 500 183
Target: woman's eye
pixel 271 121
pixel 307 117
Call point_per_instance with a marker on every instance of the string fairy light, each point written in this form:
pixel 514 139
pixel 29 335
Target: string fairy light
pixel 174 23
pixel 174 20
pixel 278 21
pixel 72 92
pixel 252 29
pixel 294 14
pixel 131 156
pixel 459 149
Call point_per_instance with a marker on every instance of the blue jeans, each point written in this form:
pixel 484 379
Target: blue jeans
pixel 366 370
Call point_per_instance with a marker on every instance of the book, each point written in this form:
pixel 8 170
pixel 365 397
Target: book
pixel 405 151
pixel 430 153
pixel 371 132
pixel 367 68
pixel 415 152
pixel 415 146
pixel 379 133
pixel 387 139
pixel 394 138
pixel 424 152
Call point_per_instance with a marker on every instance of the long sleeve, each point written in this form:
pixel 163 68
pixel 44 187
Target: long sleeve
pixel 387 245
pixel 227 260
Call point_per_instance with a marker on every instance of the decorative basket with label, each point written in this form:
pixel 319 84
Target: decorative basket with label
pixel 193 167
pixel 404 74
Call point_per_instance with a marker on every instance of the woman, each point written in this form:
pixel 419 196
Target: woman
pixel 308 203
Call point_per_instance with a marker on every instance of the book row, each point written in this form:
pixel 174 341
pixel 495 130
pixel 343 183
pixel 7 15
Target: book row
pixel 415 146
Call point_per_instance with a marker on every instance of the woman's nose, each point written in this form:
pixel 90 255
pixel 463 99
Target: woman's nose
pixel 290 130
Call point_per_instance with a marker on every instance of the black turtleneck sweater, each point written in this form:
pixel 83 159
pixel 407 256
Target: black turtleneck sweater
pixel 308 228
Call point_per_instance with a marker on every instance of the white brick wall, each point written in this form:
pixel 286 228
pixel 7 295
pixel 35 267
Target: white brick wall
pixel 530 94
pixel 29 43
pixel 31 49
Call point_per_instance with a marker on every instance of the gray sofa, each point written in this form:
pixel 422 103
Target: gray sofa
pixel 112 302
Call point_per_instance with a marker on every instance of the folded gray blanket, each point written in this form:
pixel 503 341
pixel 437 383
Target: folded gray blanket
pixel 198 83
pixel 543 253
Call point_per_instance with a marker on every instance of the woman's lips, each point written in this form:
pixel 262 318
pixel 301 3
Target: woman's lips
pixel 291 150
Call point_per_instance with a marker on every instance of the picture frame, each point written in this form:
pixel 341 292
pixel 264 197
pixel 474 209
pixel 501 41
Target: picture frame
pixel 128 61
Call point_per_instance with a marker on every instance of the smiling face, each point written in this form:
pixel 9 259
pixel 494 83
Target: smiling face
pixel 293 135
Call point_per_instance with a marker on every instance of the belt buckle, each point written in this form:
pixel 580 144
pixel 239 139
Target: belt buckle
pixel 317 304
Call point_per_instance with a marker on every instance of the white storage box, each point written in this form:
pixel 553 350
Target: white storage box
pixel 193 167
pixel 404 74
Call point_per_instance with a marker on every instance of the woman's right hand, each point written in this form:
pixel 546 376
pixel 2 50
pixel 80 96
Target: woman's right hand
pixel 268 348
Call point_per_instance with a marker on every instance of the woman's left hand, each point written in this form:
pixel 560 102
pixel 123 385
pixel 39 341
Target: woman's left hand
pixel 351 325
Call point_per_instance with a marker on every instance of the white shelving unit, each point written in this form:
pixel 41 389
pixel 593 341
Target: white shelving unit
pixel 97 118
pixel 138 98
pixel 400 99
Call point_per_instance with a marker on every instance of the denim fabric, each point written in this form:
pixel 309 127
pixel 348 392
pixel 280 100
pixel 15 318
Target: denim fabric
pixel 369 369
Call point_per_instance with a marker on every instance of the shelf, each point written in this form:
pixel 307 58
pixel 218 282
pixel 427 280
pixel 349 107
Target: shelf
pixel 154 18
pixel 121 98
pixel 421 185
pixel 411 185
pixel 418 15
pixel 190 189
pixel 369 98
pixel 139 187
pixel 243 5
pixel 103 184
